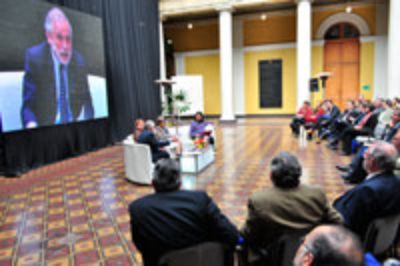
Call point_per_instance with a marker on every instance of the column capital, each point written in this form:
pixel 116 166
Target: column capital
pixel 162 17
pixel 227 6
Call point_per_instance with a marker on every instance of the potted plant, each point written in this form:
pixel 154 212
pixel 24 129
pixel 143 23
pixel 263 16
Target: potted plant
pixel 175 105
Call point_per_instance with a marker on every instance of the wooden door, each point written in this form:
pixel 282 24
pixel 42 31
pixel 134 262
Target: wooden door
pixel 342 59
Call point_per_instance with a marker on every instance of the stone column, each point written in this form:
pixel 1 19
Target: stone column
pixel 225 51
pixel 393 50
pixel 163 70
pixel 303 50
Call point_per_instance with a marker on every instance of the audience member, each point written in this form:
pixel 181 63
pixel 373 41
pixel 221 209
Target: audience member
pixel 330 246
pixel 338 133
pixel 384 118
pixel 287 206
pixel 324 121
pixel 302 114
pixel 354 172
pixel 364 127
pixel 396 142
pixel 377 196
pixel 172 219
pixel 343 121
pixel 147 137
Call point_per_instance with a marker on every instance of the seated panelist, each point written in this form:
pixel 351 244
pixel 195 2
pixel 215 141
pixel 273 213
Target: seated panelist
pixel 162 134
pixel 139 126
pixel 200 128
pixel 148 137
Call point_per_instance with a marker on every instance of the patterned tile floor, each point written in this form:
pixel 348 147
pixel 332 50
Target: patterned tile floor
pixel 75 212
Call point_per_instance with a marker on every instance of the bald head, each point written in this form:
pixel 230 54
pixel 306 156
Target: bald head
pixel 330 245
pixel 380 156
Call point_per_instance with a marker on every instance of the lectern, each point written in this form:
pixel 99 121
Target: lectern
pixel 323 76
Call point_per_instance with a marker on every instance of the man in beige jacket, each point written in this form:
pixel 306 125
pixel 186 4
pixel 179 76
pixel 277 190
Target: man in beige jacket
pixel 286 207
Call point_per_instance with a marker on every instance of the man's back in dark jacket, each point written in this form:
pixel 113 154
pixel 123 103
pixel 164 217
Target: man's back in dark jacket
pixel 374 198
pixel 167 221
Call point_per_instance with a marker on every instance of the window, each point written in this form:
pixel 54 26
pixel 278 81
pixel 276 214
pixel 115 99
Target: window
pixel 342 31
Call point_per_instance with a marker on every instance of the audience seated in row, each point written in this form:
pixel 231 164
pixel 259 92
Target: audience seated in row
pixel 172 219
pixel 354 172
pixel 189 218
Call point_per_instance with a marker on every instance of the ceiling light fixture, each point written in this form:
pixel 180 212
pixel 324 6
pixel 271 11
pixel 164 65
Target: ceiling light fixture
pixel 349 9
pixel 190 26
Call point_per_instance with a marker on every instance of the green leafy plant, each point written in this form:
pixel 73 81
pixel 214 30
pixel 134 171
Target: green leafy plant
pixel 176 103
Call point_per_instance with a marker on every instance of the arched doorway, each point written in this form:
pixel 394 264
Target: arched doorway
pixel 342 59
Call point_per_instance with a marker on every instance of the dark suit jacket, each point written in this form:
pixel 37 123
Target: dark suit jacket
pixel 389 132
pixel 167 221
pixel 334 113
pixel 39 89
pixel 371 123
pixel 275 211
pixel 149 138
pixel 375 197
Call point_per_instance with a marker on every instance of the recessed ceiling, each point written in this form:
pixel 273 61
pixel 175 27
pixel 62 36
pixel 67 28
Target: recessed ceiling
pixel 249 7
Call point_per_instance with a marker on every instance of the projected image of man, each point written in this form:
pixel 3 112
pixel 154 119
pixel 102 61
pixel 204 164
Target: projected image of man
pixel 55 86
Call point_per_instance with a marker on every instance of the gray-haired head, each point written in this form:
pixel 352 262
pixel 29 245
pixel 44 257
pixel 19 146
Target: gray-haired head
pixel 166 175
pixel 285 170
pixel 149 125
pixel 330 245
pixel 55 14
pixel 381 156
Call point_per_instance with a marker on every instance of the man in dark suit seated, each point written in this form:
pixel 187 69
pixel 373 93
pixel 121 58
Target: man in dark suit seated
pixel 286 207
pixel 378 195
pixel 172 219
pixel 364 128
pixel 148 137
pixel 55 86
pixel 330 246
pixel 355 172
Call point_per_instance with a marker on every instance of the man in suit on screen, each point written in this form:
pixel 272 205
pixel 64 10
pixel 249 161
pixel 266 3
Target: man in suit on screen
pixel 55 86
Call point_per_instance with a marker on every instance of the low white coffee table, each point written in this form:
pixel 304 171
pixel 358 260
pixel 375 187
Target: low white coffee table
pixel 197 160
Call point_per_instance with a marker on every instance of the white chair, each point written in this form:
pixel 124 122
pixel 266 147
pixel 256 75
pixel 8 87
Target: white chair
pixel 138 163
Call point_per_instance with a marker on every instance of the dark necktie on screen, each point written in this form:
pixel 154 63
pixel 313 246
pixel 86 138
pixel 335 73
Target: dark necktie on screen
pixel 63 96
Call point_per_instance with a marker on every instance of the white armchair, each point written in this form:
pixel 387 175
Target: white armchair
pixel 138 163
